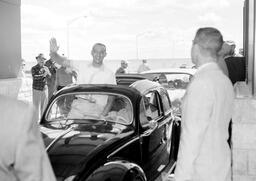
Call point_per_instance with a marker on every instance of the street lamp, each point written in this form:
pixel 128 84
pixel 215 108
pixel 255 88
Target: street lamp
pixel 69 22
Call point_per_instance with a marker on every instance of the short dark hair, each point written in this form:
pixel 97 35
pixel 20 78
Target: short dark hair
pixel 99 44
pixel 210 39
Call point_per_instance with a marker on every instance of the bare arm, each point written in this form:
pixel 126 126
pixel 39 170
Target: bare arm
pixel 55 56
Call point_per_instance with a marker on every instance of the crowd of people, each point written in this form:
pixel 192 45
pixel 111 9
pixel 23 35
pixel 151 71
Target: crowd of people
pixel 203 154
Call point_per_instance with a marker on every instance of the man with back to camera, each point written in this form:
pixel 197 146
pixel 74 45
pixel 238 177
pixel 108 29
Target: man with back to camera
pixel 22 155
pixel 204 153
pixel 93 73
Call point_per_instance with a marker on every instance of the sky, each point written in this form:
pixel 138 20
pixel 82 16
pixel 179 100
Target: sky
pixel 130 29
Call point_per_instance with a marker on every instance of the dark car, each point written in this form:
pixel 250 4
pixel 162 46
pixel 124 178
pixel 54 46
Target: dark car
pixel 135 140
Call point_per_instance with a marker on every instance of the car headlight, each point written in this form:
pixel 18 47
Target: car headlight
pixel 70 178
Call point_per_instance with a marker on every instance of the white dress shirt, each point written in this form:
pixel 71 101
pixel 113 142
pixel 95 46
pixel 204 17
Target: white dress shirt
pixel 204 154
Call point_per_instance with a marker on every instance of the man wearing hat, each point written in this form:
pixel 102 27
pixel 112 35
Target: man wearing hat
pixel 40 90
pixel 121 69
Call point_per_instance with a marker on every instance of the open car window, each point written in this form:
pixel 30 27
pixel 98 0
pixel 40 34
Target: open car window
pixel 82 106
pixel 151 104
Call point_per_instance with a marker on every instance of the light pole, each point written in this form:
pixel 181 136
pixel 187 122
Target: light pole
pixel 69 22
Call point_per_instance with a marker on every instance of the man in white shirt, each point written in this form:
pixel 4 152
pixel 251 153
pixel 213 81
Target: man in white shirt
pixel 204 153
pixel 96 72
pixel 92 73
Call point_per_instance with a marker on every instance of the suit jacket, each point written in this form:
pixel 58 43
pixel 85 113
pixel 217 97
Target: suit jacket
pixel 204 154
pixel 22 153
pixel 236 68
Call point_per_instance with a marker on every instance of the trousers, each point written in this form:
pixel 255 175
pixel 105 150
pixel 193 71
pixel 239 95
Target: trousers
pixel 40 99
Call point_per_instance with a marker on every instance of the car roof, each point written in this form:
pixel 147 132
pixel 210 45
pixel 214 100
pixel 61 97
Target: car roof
pixel 132 92
pixel 98 88
pixel 172 70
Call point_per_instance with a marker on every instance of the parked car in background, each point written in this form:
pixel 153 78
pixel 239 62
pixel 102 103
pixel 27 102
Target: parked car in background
pixel 175 80
pixel 128 79
pixel 134 141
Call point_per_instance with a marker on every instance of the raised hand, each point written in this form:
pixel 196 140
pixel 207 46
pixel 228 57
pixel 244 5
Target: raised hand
pixel 53 45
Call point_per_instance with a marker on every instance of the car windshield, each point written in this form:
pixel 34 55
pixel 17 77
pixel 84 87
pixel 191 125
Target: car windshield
pixel 91 106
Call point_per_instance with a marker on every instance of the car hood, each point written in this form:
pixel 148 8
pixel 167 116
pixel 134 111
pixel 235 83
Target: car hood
pixel 70 149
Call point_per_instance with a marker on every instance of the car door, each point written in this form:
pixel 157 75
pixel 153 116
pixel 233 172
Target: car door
pixel 172 125
pixel 153 138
